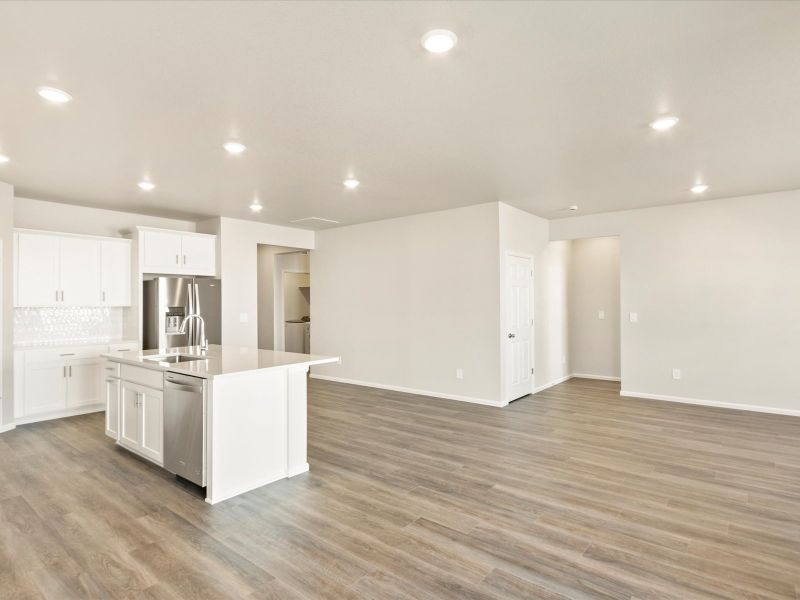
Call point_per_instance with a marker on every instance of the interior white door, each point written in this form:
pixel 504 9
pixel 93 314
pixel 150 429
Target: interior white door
pixel 83 382
pixel 198 254
pixel 115 273
pixel 80 271
pixel 37 270
pixel 519 325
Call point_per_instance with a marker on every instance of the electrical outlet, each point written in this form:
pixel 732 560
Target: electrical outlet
pixel 563 360
pixel 634 317
pixel 459 373
pixel 601 314
pixel 676 373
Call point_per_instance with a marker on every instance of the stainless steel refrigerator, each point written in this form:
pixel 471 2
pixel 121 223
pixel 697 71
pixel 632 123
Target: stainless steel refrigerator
pixel 168 300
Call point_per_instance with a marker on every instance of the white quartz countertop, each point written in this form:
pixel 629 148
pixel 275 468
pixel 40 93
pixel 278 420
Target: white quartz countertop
pixel 219 360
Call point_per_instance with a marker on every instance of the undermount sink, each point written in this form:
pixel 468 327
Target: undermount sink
pixel 174 358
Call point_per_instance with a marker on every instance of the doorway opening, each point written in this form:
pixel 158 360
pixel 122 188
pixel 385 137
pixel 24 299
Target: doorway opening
pixel 284 299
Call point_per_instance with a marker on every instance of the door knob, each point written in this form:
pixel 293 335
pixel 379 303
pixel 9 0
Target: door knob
pixel 511 335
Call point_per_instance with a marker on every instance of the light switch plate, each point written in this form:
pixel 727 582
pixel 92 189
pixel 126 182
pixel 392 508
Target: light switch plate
pixel 243 318
pixel 601 314
pixel 676 373
pixel 459 373
pixel 634 317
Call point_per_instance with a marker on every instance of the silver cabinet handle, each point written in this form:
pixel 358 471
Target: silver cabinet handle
pixel 64 371
pixel 70 370
pixel 62 295
pixel 177 259
pixel 56 295
pixel 67 354
pixel 511 335
pixel 104 296
pixel 184 259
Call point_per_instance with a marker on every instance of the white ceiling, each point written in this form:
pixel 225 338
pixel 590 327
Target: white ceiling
pixel 541 105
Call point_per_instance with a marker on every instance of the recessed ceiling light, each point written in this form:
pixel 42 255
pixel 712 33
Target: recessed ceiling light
pixel 699 188
pixel 439 41
pixel 573 208
pixel 256 206
pixel 4 159
pixel 664 122
pixel 351 183
pixel 54 95
pixel 234 147
pixel 147 186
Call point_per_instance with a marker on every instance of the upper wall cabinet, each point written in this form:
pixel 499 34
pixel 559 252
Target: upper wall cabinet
pixel 71 270
pixel 177 252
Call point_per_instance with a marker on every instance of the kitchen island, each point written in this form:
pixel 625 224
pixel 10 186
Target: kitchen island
pixel 244 426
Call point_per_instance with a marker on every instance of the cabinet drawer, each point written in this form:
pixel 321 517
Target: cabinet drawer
pixel 63 353
pixel 142 376
pixel 110 368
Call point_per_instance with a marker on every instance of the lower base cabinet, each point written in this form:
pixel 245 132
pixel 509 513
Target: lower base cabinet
pixel 141 422
pixel 112 396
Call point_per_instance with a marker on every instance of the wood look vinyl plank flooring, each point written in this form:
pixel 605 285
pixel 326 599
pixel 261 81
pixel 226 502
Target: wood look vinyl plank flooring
pixel 573 493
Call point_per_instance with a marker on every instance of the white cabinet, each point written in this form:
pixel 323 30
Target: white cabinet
pixel 37 270
pixel 79 269
pixel 71 270
pixel 176 252
pixel 115 272
pixel 162 252
pixel 111 391
pixel 57 382
pixel 83 382
pixel 45 387
pixel 142 423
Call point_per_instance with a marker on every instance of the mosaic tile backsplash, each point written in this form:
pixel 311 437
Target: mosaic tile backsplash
pixel 57 326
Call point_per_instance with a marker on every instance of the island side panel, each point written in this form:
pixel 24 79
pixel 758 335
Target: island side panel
pixel 248 432
pixel 297 427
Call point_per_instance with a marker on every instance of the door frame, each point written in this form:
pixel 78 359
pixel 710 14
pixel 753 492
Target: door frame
pixel 504 325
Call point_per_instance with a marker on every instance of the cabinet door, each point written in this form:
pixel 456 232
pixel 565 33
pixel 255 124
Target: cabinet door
pixel 80 272
pixel 37 270
pixel 162 252
pixel 198 254
pixel 115 273
pixel 129 431
pixel 83 382
pixel 45 387
pixel 152 424
pixel 111 388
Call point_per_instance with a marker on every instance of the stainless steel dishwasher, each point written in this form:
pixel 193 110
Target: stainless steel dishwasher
pixel 185 427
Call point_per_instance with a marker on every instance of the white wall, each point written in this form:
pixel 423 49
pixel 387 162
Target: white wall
pixel 716 288
pixel 524 233
pixel 594 286
pixel 68 218
pixel 265 262
pixel 7 298
pixel 407 301
pixel 237 258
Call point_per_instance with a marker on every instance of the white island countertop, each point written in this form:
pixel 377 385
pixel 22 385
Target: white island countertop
pixel 219 360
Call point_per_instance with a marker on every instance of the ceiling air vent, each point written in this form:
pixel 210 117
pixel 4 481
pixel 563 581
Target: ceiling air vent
pixel 319 220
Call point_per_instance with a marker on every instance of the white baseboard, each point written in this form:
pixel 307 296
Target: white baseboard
pixel 598 377
pixel 8 427
pixel 397 388
pixel 731 405
pixel 297 470
pixel 60 414
pixel 541 388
